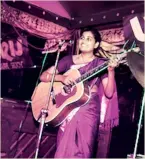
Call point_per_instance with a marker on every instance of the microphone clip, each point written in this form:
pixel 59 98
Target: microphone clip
pixel 60 43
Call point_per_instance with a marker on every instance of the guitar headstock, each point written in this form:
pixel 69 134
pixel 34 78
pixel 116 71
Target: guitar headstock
pixel 122 57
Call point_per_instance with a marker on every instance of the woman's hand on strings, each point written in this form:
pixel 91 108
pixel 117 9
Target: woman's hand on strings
pixel 67 80
pixel 113 62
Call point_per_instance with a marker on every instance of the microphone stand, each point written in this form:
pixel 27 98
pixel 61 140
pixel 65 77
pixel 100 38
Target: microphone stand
pixel 44 112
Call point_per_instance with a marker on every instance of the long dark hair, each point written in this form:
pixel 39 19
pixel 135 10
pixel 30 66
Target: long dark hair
pixel 96 35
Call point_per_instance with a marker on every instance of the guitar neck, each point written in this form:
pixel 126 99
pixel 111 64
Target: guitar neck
pixel 92 72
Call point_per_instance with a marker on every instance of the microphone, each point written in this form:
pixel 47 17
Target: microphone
pixel 61 42
pixel 69 41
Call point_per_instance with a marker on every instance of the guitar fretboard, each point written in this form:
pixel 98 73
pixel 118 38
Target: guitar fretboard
pixel 92 72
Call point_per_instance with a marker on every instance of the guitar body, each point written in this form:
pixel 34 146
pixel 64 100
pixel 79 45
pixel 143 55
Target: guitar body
pixel 62 104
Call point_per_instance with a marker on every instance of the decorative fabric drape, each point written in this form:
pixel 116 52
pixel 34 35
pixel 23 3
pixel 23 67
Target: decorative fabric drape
pixel 53 32
pixel 48 30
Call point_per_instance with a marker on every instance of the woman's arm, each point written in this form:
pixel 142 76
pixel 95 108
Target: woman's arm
pixel 47 75
pixel 109 84
pixel 63 65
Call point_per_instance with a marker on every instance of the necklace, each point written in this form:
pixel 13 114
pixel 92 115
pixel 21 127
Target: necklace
pixel 84 60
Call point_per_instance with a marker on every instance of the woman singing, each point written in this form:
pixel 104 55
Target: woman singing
pixel 77 135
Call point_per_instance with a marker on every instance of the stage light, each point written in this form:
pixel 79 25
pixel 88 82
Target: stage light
pixel 132 11
pixel 29 7
pixel 104 17
pixel 92 19
pixel 117 14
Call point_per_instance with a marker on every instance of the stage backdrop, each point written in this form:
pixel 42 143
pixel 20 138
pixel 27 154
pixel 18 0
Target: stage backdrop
pixel 14 49
pixel 134 30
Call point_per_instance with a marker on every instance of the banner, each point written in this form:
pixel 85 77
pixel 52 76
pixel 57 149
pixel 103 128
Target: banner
pixel 134 30
pixel 14 51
